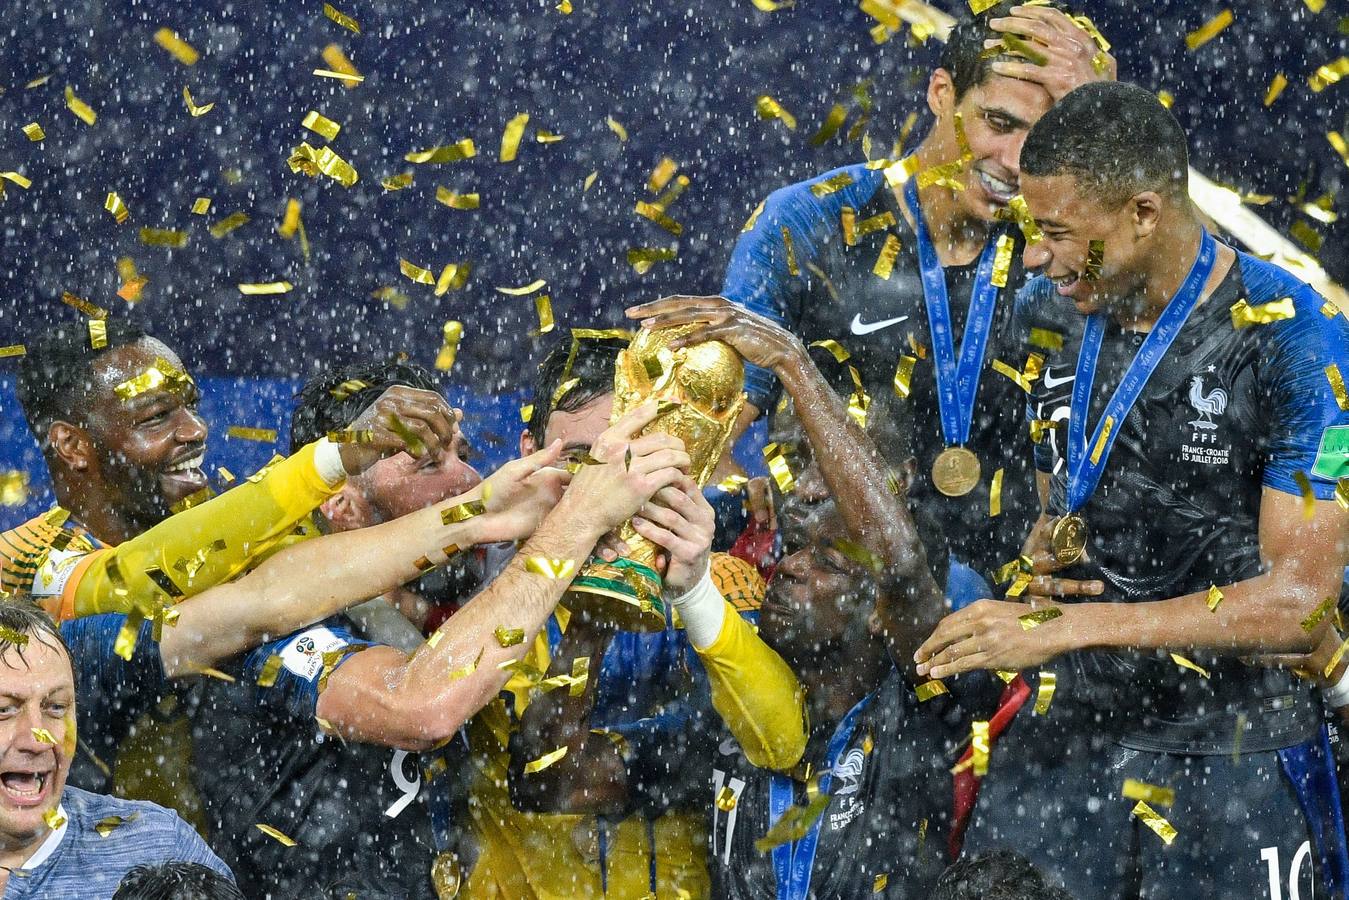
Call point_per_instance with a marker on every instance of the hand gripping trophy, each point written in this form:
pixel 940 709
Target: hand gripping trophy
pixel 700 392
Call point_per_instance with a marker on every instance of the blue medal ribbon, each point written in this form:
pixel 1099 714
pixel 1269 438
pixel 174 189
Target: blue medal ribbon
pixel 957 383
pixel 793 861
pixel 1083 474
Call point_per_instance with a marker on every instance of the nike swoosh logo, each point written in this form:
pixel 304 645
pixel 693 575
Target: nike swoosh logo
pixel 860 327
pixel 1052 382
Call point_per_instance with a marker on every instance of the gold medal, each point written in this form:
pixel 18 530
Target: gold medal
pixel 956 471
pixel 446 875
pixel 1069 539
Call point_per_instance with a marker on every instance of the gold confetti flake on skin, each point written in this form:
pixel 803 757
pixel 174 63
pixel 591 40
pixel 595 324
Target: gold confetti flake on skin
pixel 1018 47
pixel 656 214
pixel 342 19
pixel 98 334
pixel 946 175
pixel 313 162
pixel 549 567
pixel 643 258
pixel 1039 617
pixel 53 819
pixel 509 637
pixel 885 260
pixel 321 125
pixel 462 512
pixel 350 436
pixel 453 277
pixel 1095 261
pixel 1150 793
pixel 543 762
pixel 510 137
pixel 452 333
pixel 1024 220
pixel 768 108
pixel 178 48
pixel 1189 664
pixel 1244 315
pixel 278 836
pixel 1213 598
pixel 262 288
pixel 83 111
pixel 726 799
pixel 775 455
pixel 448 153
pixel 243 433
pixel 229 223
pixel 929 689
pixel 456 201
pixel 1002 261
pixel 341 76
pixel 1207 32
pixel 117 207
pixel 1310 623
pixel 411 440
pixel 1154 820
pixel 33 131
pixel 44 736
pixel 1328 74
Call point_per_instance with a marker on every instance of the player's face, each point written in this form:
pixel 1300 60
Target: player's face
pixel 795 507
pixel 37 694
pixel 997 116
pixel 1071 219
pixel 402 483
pixel 149 449
pixel 819 600
pixel 580 428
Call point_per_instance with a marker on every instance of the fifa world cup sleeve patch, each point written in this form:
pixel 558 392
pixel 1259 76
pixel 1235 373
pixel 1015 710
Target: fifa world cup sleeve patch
pixel 303 654
pixel 51 577
pixel 1332 457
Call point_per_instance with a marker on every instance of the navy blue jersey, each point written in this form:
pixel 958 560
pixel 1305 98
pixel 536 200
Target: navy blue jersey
pixel 838 295
pixel 1228 413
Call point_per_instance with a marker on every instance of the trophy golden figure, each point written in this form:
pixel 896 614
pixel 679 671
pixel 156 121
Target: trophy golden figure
pixel 700 392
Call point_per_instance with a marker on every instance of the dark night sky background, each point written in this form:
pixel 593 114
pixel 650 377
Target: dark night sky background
pixel 681 77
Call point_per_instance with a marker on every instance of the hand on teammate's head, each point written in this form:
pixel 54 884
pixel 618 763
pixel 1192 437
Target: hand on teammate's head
pixel 403 419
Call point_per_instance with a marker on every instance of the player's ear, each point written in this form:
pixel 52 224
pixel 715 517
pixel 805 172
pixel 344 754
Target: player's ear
pixel 527 445
pixel 941 94
pixel 347 510
pixel 1146 210
pixel 72 445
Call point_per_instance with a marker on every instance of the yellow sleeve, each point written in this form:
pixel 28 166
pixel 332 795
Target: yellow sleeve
pixel 205 545
pixel 756 694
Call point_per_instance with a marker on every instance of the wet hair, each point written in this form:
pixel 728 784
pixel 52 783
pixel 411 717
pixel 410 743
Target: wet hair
pixel 1115 139
pixel 324 405
pixel 176 881
pixel 963 57
pixel 996 875
pixel 593 369
pixel 25 620
pixel 57 369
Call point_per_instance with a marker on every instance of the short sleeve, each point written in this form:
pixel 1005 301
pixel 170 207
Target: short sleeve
pixel 290 673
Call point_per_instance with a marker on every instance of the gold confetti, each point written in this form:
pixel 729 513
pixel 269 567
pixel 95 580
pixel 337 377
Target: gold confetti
pixel 275 835
pixel 1095 260
pixel 411 440
pixel 98 334
pixel 1024 220
pixel 306 159
pixel 53 819
pixel 1155 821
pixel 192 108
pixel 243 433
pixel 995 494
pixel 339 65
pixel 342 19
pixel 1335 659
pixel 13 492
pixel 1306 235
pixel 452 333
pixel 1205 33
pixel 124 645
pixel 792 268
pixel 564 7
pixel 658 215
pixel 447 153
pixel 661 175
pixel 753 218
pixel 1275 88
pixel 543 762
pixel 160 374
pixel 229 223
pixel 83 111
pixel 1245 315
pixel 776 456
pixel 979 6
pixel 201 206
pixel 1106 427
pixel 1003 369
pixel 1044 692
pixel 270 287
pixel 530 288
pixel 768 108
pixel 321 125
pixel 290 220
pixel 547 137
pixel 453 277
pixel 929 689
pixel 397 182
pixel 44 736
pixel 1310 623
pixel 347 388
pixel 885 260
pixel 616 128
pixel 726 799
pixel 1189 664
pixel 510 137
pixel 549 567
pixel 350 436
pixel 881 881
pixel 416 273
pixel 831 185
pixel 1337 141
pixel 543 306
pixel 341 76
pixel 1337 386
pixel 1304 486
pixel 589 180
pixel 178 48
pixel 1134 789
pixel 114 205
pixel 509 637
pixel 979 746
pixel 945 175
pixel 1323 78
pixel 91 310
pixel 33 131
pixel 838 113
pixel 794 824
pixel 1038 617
pixel 643 258
pixel 1214 597
pixel 108 824
pixel 456 201
pixel 1002 261
pixel 836 350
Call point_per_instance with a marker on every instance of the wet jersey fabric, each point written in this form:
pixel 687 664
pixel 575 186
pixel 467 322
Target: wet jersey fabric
pixel 883 833
pixel 362 815
pixel 1227 413
pixel 837 296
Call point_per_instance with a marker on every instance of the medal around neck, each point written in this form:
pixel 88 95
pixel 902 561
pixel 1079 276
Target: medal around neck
pixel 956 471
pixel 700 391
pixel 1068 539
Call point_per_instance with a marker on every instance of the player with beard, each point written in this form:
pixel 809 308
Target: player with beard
pixel 124 445
pixel 860 586
pixel 1196 476
pixel 896 264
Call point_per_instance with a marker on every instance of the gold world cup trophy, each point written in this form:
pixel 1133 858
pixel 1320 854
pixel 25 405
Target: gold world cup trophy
pixel 700 392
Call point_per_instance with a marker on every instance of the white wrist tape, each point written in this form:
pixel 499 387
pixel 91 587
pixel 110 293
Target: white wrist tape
pixel 328 462
pixel 1338 696
pixel 702 611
